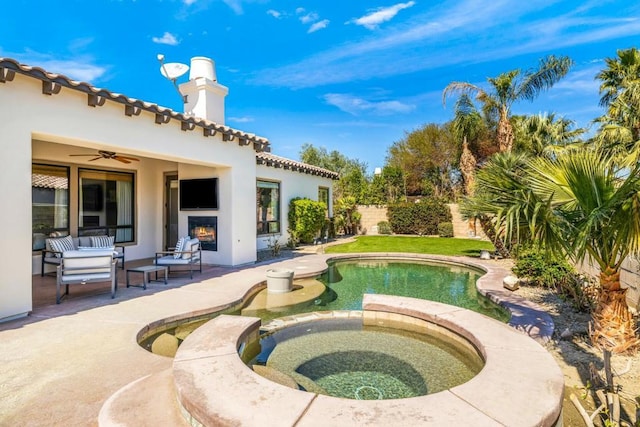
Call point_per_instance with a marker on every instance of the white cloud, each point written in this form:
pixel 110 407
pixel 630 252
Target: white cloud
pixel 581 81
pixel 80 68
pixel 274 13
pixel 355 105
pixel 373 19
pixel 167 38
pixel 434 39
pixel 309 17
pixel 235 5
pixel 189 2
pixel 300 10
pixel 319 26
pixel 241 119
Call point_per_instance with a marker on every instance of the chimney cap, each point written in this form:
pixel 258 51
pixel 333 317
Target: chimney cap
pixel 202 67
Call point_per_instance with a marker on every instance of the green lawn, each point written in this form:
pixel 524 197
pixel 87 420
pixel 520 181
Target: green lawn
pixel 421 245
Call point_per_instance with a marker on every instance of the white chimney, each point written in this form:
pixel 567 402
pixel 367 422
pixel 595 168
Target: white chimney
pixel 204 95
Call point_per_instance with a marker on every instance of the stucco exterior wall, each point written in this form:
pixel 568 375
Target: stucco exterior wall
pixel 292 184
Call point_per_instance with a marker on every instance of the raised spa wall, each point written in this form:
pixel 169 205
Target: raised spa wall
pixel 520 383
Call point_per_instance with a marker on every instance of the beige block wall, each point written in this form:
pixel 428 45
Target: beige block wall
pixel 371 216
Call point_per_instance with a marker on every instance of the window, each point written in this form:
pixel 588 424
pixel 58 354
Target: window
pixel 49 202
pixel 268 207
pixel 323 196
pixel 105 204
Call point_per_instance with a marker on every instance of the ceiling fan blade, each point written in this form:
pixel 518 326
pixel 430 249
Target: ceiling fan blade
pixel 120 159
pixel 128 158
pixel 81 155
pixel 96 158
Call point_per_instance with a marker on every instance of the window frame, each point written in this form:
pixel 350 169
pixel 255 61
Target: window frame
pixel 260 230
pixel 48 231
pixel 109 230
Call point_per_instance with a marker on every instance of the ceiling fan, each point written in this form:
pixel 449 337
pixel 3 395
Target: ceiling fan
pixel 109 155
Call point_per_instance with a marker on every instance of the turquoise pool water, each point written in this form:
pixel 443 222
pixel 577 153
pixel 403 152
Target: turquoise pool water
pixel 347 281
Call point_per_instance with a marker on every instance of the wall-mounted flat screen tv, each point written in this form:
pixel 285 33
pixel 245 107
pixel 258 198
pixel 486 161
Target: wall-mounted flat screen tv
pixel 199 194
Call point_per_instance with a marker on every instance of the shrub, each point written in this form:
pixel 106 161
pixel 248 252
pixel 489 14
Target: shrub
pixel 306 219
pixel 542 269
pixel 445 229
pixel 418 218
pixel 384 227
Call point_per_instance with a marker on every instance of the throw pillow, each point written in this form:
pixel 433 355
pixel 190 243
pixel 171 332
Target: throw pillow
pixel 179 247
pixel 102 241
pixel 61 245
pixel 190 246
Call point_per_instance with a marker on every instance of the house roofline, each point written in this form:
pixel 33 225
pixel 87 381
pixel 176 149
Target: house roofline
pixel 274 161
pixel 52 83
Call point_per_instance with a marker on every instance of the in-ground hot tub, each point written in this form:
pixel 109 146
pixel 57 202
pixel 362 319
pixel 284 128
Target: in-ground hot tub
pixel 520 383
pixel 343 355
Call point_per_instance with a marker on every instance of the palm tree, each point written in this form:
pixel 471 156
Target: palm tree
pixel 584 204
pixel 511 87
pixel 546 134
pixel 620 93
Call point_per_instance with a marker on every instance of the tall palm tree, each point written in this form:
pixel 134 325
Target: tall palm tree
pixel 620 93
pixel 467 124
pixel 583 204
pixel 511 87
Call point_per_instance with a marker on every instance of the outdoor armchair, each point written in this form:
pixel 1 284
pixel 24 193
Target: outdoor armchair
pixel 82 267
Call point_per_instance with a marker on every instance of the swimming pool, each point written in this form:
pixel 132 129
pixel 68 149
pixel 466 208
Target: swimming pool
pixel 346 281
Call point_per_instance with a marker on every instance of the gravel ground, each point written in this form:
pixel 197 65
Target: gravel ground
pixel 574 355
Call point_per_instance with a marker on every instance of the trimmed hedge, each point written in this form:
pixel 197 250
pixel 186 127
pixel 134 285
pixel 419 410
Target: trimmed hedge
pixel 306 219
pixel 445 229
pixel 384 227
pixel 420 218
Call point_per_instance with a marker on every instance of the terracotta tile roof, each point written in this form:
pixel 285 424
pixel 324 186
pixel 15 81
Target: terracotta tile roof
pixel 48 181
pixel 272 160
pixel 52 82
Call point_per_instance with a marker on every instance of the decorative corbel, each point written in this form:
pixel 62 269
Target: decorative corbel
pixel 131 110
pixel 185 126
pixel 228 137
pixel 95 100
pixel 50 88
pixel 162 118
pixel 209 131
pixel 6 75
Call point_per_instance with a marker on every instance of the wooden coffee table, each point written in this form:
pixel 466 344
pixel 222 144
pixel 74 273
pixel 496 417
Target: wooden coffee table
pixel 146 270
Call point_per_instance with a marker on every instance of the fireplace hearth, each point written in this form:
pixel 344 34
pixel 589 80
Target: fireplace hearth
pixel 205 228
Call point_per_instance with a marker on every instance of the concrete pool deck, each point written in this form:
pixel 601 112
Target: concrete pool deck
pixel 60 365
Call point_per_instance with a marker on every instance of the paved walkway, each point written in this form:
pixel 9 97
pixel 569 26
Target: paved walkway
pixel 59 365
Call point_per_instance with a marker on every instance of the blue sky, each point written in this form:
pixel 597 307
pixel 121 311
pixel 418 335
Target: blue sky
pixel 353 76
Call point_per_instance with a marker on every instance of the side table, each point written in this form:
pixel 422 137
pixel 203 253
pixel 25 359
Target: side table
pixel 146 270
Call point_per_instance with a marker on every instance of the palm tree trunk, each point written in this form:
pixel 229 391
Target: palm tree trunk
pixel 505 132
pixel 613 328
pixel 489 231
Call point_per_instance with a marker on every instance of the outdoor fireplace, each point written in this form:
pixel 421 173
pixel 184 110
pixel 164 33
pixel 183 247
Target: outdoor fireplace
pixel 205 228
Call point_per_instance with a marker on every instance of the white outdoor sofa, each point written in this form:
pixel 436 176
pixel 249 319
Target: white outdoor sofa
pixel 82 267
pixel 55 247
pixel 187 254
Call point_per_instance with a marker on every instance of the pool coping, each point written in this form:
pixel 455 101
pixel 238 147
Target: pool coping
pixel 215 387
pixel 526 317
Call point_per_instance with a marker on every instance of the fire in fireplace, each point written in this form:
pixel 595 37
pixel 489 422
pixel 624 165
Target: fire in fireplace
pixel 205 228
